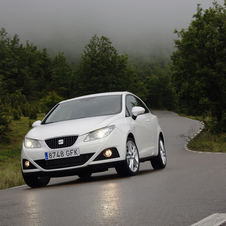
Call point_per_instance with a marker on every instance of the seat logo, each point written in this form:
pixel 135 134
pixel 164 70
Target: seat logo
pixel 61 141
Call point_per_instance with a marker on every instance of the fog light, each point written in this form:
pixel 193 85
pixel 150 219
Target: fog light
pixel 27 164
pixel 107 153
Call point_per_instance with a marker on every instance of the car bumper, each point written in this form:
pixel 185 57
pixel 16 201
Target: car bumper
pixel 91 157
pixel 74 171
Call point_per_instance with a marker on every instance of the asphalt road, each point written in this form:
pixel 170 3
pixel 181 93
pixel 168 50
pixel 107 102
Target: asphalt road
pixel 191 188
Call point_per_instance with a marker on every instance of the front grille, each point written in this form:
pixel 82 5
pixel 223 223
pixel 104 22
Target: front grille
pixel 65 162
pixel 61 142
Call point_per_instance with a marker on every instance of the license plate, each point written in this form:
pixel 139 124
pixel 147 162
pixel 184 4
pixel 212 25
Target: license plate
pixel 62 154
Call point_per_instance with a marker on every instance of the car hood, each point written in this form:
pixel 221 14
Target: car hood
pixel 70 127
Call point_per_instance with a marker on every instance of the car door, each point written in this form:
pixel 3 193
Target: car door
pixel 143 126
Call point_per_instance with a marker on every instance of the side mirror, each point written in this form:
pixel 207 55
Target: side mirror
pixel 137 111
pixel 36 123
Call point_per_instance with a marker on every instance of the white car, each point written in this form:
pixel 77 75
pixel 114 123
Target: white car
pixel 90 134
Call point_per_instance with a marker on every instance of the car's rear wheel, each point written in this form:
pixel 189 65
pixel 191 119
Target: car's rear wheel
pixel 159 162
pixel 132 162
pixel 35 182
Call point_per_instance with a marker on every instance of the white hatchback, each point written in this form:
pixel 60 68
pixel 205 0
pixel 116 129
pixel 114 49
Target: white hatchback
pixel 91 134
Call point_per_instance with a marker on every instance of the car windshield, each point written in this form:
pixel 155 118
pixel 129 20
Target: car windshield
pixel 86 107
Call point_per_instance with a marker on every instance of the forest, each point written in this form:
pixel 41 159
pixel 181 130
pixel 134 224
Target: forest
pixel 31 81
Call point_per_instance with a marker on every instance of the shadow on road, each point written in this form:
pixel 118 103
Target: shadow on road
pixel 96 178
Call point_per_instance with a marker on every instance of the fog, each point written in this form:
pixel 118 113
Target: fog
pixel 67 25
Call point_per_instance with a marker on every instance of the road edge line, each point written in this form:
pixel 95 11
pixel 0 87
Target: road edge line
pixel 215 219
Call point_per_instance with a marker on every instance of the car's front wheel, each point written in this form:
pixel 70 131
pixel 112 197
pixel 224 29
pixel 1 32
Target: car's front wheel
pixel 132 162
pixel 35 182
pixel 159 162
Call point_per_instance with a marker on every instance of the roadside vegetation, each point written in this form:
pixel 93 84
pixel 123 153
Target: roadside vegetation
pixel 208 142
pixel 10 169
pixel 205 141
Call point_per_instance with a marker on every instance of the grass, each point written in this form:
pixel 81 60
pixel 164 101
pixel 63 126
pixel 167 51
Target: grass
pixel 207 142
pixel 10 170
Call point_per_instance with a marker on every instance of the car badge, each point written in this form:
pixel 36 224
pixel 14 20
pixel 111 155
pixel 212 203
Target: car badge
pixel 60 142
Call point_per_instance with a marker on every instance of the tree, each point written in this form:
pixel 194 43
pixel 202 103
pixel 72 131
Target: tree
pixel 5 119
pixel 199 65
pixel 8 61
pixel 60 76
pixel 160 94
pixel 24 68
pixel 102 69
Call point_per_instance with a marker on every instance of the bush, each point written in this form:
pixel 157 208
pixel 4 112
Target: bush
pixel 50 101
pixel 26 109
pixel 213 126
pixel 5 119
pixel 16 114
pixel 33 113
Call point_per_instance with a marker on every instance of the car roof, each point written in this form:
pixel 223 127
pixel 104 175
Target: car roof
pixel 97 95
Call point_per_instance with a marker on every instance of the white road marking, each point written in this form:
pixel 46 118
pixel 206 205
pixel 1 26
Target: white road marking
pixel 213 220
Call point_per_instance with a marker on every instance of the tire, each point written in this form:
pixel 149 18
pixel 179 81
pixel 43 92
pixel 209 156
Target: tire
pixel 159 162
pixel 85 174
pixel 132 162
pixel 36 182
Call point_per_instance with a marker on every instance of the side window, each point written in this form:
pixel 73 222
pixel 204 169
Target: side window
pixel 131 102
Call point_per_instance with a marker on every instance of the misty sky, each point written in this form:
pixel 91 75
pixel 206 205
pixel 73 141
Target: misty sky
pixel 128 23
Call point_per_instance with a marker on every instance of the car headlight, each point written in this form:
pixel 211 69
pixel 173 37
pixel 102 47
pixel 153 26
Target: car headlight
pixel 31 143
pixel 100 133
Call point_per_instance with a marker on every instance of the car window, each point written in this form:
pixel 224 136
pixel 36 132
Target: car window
pixel 86 107
pixel 132 101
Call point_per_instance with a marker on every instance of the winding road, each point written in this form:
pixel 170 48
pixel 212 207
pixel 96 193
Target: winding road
pixel 191 188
